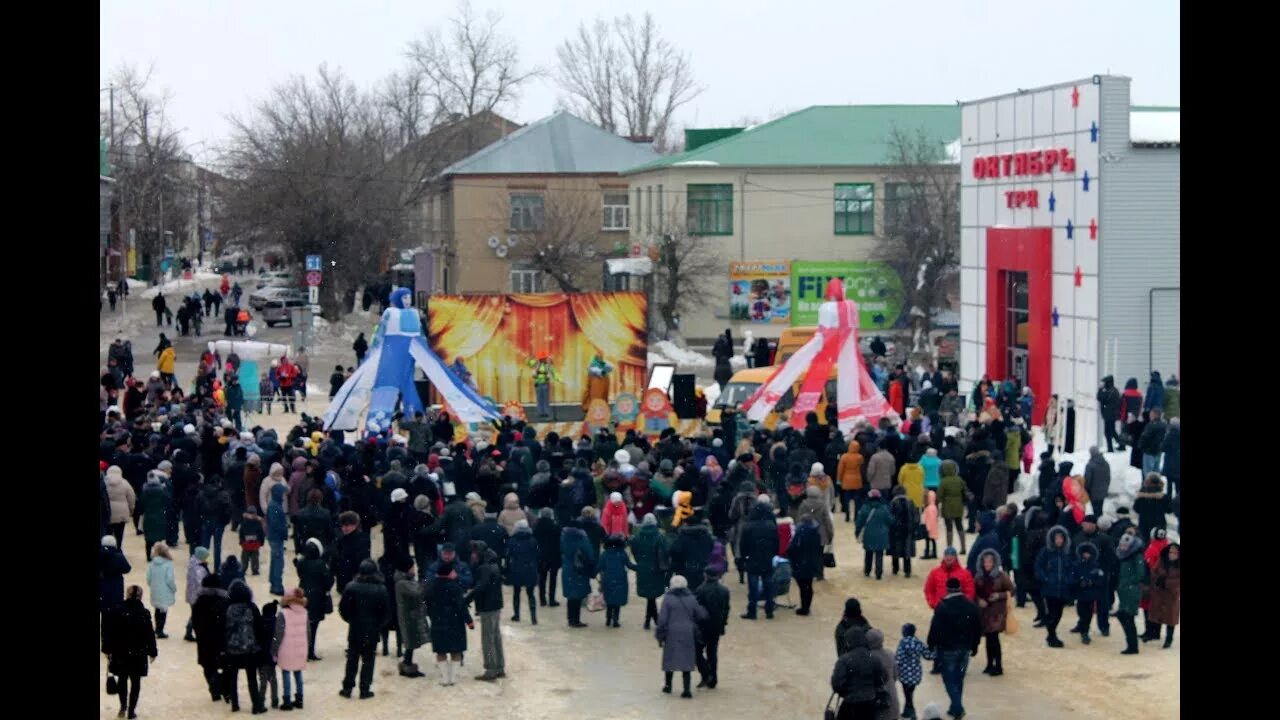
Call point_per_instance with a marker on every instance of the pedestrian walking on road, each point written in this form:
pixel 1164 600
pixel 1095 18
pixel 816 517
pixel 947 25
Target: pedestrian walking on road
pixel 954 635
pixel 677 631
pixel 164 588
pixel 366 608
pixel 128 640
pixel 289 645
pixel 450 620
pixel 243 646
pixel 487 596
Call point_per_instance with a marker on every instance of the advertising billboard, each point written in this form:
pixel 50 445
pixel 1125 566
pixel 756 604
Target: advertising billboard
pixel 875 286
pixel 760 292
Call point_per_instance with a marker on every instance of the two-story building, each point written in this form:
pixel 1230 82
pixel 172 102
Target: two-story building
pixel 553 183
pixel 786 203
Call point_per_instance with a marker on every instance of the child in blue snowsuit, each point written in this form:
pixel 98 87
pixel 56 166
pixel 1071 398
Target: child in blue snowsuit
pixel 907 658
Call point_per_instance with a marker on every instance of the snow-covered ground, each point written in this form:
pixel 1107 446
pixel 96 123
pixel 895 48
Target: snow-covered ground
pixel 198 280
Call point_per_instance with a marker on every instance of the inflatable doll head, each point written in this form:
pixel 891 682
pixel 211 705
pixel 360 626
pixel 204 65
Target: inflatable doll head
pixel 401 298
pixel 835 290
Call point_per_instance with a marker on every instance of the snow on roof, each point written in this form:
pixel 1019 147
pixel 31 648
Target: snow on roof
pixel 953 151
pixel 1155 126
pixel 696 163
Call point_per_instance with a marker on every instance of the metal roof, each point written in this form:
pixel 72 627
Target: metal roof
pixel 561 143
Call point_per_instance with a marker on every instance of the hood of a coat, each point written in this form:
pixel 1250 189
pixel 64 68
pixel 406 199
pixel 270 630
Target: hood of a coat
pixel 759 512
pixel 1058 530
pixel 1086 545
pixel 299 464
pixel 875 639
pixel 987 519
pixel 855 446
pixel 949 468
pixel 1128 546
pixel 857 638
pixel 996 570
pixel 511 502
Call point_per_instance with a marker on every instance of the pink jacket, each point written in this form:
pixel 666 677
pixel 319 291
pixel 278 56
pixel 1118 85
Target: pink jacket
pixel 291 637
pixel 930 515
pixel 614 519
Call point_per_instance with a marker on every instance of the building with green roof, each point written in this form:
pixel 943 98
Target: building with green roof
pixel 810 186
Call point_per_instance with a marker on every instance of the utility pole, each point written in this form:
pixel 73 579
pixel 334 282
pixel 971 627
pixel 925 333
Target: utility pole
pixel 112 95
pixel 199 219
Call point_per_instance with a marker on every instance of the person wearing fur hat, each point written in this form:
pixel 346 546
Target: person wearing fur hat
pixel 316 580
pixel 1166 594
pixel 1055 568
pixel 993 588
pixel 1130 579
pixel 872 528
pixel 1152 505
pixel 366 609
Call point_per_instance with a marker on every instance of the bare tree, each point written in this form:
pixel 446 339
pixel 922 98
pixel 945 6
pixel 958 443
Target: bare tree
pixel 565 247
pixel 921 238
pixel 626 78
pixel 469 69
pixel 316 175
pixel 149 160
pixel 683 264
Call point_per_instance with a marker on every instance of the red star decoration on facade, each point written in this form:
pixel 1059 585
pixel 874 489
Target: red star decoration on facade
pixel 1075 97
pixel 1079 276
pixel 1093 229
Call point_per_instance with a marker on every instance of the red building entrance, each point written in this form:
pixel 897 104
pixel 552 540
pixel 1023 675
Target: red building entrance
pixel 1019 309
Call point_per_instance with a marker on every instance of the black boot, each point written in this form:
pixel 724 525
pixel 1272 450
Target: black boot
pixel 666 687
pixel 533 614
pixel 1168 637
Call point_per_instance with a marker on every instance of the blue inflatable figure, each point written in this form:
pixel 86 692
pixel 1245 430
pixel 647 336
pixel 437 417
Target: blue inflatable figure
pixel 386 375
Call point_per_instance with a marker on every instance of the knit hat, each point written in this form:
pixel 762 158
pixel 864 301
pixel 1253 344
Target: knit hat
pixel 422 503
pixel 677 582
pixel 189 429
pixel 953 583
pixel 666 465
pixel 931 712
pixel 201 554
pixel 874 493
pixel 398 494
pixel 522 524
pixel 764 500
pixel 1105 523
pixel 448 547
pixel 615 497
pixel 717 442
pixel 852 607
pixel 622 456
pixel 445 569
pixel 649 519
pixel 109 541
pixel 714 573
pixel 908 630
pixel 950 551
pixel 318 545
pixel 815 469
pixel 368 567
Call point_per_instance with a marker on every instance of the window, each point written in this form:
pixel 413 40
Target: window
pixel 526 212
pixel 648 200
pixel 524 280
pixel 616 215
pixel 903 207
pixel 855 208
pixel 710 209
pixel 661 223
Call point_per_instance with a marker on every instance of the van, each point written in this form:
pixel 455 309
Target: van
pixel 745 382
pixel 791 340
pixel 281 310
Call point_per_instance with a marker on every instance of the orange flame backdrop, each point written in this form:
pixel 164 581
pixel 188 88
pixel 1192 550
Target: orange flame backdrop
pixel 496 334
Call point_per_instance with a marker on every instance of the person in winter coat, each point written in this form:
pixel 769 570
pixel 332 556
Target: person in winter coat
pixel 276 477
pixel 1088 587
pixel 951 496
pixel 164 588
pixel 314 521
pixel 1130 579
pixel 849 475
pixel 1054 567
pixel 653 563
pixel 449 620
pixel 904 519
pixel 411 619
pixel 613 519
pixel 908 667
pixel 930 519
pixel 214 505
pixel 805 554
pixel 112 567
pixel 1152 506
pixel 988 539
pixel 128 640
pixel 316 580
pixel 1172 449
pixel 522 569
pixel 1166 594
pixel 872 528
pixel 277 533
pixel 851 619
pixel 208 622
pixel 859 677
pixel 547 535
pixel 954 634
pixel 243 645
pixel 123 500
pixel 349 550
pixel 993 589
pixel 289 645
pixel 691 550
pixel 759 541
pixel 578 566
pixel 714 598
pixel 1154 399
pixel 614 564
pixel 366 609
pixel 875 643
pixel 1097 479
pixel 511 513
pixel 911 479
pixel 815 506
pixel 155 503
pixel 996 491
pixel 1109 407
pixel 881 470
pixel 487 596
pixel 935 585
pixel 676 632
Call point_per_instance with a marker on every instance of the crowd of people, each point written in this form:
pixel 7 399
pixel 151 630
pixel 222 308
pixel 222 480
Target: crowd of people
pixel 461 520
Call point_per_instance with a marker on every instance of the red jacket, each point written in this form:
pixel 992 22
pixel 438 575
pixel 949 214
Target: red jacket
pixel 896 399
pixel 287 372
pixel 935 586
pixel 614 519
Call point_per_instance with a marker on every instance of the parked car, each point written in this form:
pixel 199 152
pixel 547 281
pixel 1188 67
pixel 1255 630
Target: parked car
pixel 259 298
pixel 281 311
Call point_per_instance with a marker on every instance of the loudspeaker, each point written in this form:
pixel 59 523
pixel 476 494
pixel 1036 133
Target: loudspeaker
pixel 682 397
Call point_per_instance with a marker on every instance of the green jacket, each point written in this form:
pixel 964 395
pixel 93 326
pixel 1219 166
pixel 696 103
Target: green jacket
pixel 543 373
pixel 1013 448
pixel 1172 402
pixel 951 492
pixel 1131 576
pixel 650 550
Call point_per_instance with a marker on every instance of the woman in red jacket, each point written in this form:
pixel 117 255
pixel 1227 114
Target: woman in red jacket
pixel 896 398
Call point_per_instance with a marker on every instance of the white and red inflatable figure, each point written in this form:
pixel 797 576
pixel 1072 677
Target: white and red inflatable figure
pixel 835 343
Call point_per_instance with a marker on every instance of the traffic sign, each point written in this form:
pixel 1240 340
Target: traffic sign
pixel 313 263
pixel 313 295
pixel 313 278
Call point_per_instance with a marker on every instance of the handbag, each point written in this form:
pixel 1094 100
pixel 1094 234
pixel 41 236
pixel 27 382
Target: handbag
pixel 112 687
pixel 828 559
pixel 595 602
pixel 830 712
pixel 921 532
pixel 1011 624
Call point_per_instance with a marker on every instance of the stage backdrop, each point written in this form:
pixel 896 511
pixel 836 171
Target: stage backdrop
pixel 496 334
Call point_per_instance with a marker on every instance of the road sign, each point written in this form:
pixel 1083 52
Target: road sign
pixel 313 278
pixel 168 253
pixel 313 262
pixel 313 295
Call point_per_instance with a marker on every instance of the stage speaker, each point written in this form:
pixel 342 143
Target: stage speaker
pixel 682 397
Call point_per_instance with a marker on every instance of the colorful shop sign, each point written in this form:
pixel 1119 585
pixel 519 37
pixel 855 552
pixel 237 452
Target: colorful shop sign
pixel 875 286
pixel 760 292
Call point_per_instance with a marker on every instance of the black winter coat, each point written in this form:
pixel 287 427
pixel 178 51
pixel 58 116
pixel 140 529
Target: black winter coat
pixel 455 524
pixel 691 551
pixel 522 559
pixel 316 580
pixel 112 567
pixel 714 598
pixel 491 534
pixel 313 521
pixel 547 534
pixel 805 552
pixel 214 504
pixel 346 554
pixel 447 609
pixel 858 674
pixel 129 638
pixel 367 609
pixel 487 592
pixel 956 625
pixel 758 540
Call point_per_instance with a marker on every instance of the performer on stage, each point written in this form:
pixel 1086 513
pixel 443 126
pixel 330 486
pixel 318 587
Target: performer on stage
pixel 597 381
pixel 543 375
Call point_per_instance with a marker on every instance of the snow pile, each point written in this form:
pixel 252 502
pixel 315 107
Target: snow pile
pixel 711 393
pixel 672 353
pixel 737 362
pixel 135 284
pixel 180 285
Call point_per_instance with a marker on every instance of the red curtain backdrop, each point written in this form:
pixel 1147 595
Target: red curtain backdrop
pixel 496 334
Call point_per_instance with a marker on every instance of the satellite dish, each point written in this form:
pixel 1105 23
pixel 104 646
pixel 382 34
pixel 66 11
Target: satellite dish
pixel 493 241
pixel 512 240
pixel 501 252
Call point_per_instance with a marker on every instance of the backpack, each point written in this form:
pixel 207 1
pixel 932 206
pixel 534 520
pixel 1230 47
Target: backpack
pixel 241 636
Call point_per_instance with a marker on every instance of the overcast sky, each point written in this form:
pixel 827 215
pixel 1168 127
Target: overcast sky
pixel 752 57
